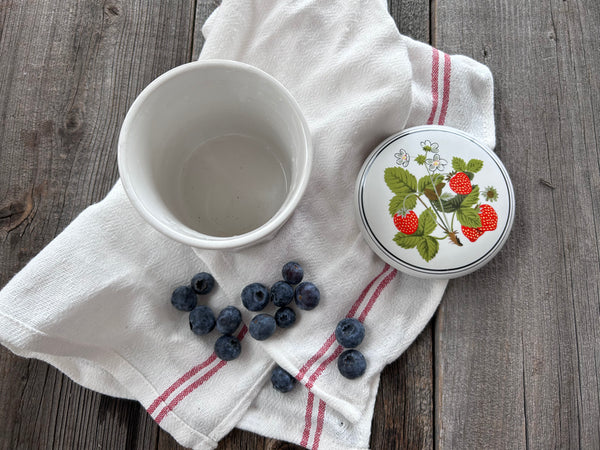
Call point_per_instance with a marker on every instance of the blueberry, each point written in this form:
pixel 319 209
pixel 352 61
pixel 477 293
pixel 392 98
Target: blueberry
pixel 228 347
pixel 282 293
pixel 285 317
pixel 307 296
pixel 184 298
pixel 292 272
pixel 352 364
pixel 255 297
pixel 262 326
pixel 349 333
pixel 202 283
pixel 282 381
pixel 202 320
pixel 228 320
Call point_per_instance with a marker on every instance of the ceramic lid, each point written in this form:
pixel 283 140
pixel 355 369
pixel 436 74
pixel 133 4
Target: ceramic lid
pixel 434 202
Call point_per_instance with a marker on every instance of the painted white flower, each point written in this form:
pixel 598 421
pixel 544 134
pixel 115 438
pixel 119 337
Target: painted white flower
pixel 402 158
pixel 429 146
pixel 436 163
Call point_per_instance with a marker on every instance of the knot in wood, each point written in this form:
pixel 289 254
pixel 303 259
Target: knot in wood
pixel 73 121
pixel 112 9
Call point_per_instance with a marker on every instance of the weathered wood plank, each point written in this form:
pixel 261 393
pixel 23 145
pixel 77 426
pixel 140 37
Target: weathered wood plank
pixel 413 18
pixel 403 415
pixel 517 345
pixel 236 439
pixel 404 409
pixel 204 8
pixel 69 72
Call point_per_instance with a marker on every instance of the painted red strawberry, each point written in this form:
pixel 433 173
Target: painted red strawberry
pixel 471 234
pixel 460 183
pixel 489 222
pixel 406 223
pixel 489 217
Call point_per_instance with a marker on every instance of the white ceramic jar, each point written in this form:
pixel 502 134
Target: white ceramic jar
pixel 215 154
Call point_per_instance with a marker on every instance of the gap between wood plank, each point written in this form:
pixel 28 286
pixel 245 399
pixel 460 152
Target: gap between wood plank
pixel 432 22
pixel 193 29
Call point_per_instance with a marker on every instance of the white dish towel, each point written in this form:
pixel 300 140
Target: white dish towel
pixel 95 302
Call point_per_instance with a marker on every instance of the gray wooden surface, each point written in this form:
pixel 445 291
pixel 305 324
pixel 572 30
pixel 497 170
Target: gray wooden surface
pixel 511 359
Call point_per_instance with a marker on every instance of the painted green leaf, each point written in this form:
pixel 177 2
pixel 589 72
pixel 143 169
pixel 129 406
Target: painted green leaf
pixel 471 175
pixel 423 183
pixel 400 180
pixel 471 199
pixel 420 159
pixel 459 164
pixel 474 165
pixel 428 247
pixel 407 241
pixel 469 217
pixel 428 181
pixel 402 200
pixel 454 203
pixel 449 205
pixel 427 223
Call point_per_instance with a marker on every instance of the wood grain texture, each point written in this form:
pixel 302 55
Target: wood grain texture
pixel 403 415
pixel 204 8
pixel 413 18
pixel 69 72
pixel 517 345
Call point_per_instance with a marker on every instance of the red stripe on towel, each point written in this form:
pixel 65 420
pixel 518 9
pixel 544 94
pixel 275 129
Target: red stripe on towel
pixel 334 355
pixel 446 98
pixel 358 302
pixel 435 67
pixel 196 384
pixel 331 339
pixel 307 419
pixel 376 295
pixel 311 381
pixel 362 317
pixel 320 420
pixel 192 387
pixel 189 374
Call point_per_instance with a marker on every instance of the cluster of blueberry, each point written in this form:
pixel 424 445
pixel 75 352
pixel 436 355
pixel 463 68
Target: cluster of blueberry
pixel 350 333
pixel 202 318
pixel 256 296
